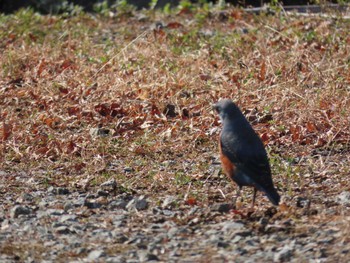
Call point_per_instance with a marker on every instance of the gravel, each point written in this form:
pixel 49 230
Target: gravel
pixel 60 224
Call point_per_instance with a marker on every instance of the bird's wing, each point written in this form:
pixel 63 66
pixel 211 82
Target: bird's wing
pixel 249 156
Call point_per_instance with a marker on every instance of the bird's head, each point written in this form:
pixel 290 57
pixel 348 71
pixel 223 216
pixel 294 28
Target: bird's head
pixel 226 109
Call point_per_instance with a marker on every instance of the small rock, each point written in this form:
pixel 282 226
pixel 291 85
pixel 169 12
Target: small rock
pixel 194 221
pixel 119 220
pixel 128 169
pixel 172 232
pixel 157 210
pixel 109 184
pixel 222 244
pixel 284 254
pixel 43 204
pixel 58 190
pixel 64 230
pixel 25 198
pixel 236 239
pixel 95 254
pixel 168 212
pixel 92 204
pixel 120 238
pixel 118 204
pixel 302 202
pixel 99 132
pixel 70 218
pixel 102 193
pixel 139 203
pixel 221 207
pixel 68 206
pixel 229 226
pixel 193 211
pixel 144 256
pixel 343 198
pixel 62 191
pixel 54 212
pixel 169 201
pixel 115 259
pixel 19 210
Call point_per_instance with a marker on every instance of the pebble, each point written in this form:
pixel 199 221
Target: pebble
pixel 343 198
pixel 102 193
pixel 92 204
pixel 25 198
pixel 138 203
pixel 169 202
pixel 70 218
pixel 284 254
pixel 128 228
pixel 118 204
pixel 19 210
pixel 144 256
pixel 68 206
pixel 230 226
pixel 221 207
pixel 62 230
pixel 95 254
pixel 110 184
pixel 58 190
pixel 128 169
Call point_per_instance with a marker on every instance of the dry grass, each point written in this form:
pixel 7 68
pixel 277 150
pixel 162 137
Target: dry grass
pixel 64 79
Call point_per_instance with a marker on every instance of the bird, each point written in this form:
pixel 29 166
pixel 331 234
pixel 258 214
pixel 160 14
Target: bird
pixel 242 153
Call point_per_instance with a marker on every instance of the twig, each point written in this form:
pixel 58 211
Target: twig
pixel 188 190
pixel 222 193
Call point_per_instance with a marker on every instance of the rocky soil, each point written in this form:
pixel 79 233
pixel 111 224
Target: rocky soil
pixel 108 224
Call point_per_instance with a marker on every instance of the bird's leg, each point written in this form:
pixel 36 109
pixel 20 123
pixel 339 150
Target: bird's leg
pixel 254 196
pixel 238 195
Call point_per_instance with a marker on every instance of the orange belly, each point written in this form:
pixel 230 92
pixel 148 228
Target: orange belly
pixel 227 165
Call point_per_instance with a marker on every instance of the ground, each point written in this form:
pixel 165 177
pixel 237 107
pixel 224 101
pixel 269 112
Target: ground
pixel 109 143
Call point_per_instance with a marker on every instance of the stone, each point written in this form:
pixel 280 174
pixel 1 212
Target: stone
pixel 69 218
pixel 120 238
pixel 229 226
pixel 110 184
pixel 54 212
pixel 92 204
pixel 68 206
pixel 144 256
pixel 62 191
pixel 128 169
pixel 141 204
pixel 284 254
pixel 302 202
pixel 58 190
pixel 19 210
pixel 221 207
pixel 118 204
pixel 95 254
pixel 169 202
pixel 138 203
pixel 64 230
pixel 25 198
pixel 102 193
pixel 343 198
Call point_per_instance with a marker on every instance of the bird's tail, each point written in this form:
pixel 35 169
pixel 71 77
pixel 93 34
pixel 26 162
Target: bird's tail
pixel 273 196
